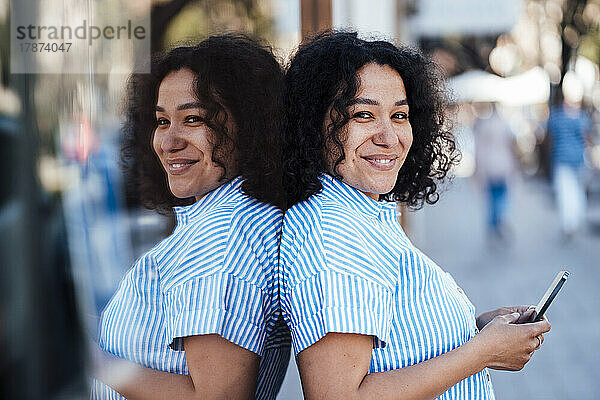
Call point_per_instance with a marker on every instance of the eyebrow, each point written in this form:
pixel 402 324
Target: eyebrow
pixel 186 106
pixel 371 102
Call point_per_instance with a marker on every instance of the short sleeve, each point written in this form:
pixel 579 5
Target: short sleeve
pixel 216 304
pixel 336 302
pixel 331 281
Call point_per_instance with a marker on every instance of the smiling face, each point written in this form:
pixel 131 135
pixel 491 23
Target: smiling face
pixel 182 140
pixel 378 135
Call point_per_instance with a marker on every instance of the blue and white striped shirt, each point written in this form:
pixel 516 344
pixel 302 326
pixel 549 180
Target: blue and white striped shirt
pixel 347 266
pixel 215 274
pixel 568 127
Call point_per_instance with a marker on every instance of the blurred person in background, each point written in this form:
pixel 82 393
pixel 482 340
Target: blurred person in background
pixel 495 164
pixel 371 316
pixel 194 315
pixel 568 126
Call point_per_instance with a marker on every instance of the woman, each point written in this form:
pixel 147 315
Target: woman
pixel 200 308
pixel 371 316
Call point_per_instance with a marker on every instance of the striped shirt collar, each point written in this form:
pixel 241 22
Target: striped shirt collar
pixel 353 198
pixel 207 202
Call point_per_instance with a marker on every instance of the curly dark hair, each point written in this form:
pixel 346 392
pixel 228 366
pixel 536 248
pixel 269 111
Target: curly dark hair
pixel 322 76
pixel 236 77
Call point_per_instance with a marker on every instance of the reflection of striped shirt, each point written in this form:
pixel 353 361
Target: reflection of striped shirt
pixel 213 275
pixel 347 266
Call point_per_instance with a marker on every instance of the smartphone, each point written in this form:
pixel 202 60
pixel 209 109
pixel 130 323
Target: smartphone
pixel 550 294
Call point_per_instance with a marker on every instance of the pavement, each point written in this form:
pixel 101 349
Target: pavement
pixel 497 273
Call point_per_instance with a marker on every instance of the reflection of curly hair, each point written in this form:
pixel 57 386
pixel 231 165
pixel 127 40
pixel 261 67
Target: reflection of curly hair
pixel 236 78
pixel 322 78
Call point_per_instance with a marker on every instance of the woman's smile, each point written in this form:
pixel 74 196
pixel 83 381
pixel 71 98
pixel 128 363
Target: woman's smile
pixel 179 166
pixel 382 162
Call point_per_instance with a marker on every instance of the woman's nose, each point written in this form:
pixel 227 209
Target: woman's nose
pixel 172 141
pixel 386 135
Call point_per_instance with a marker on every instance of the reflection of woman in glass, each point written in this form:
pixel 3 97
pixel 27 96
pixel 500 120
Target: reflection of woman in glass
pixel 198 310
pixel 371 316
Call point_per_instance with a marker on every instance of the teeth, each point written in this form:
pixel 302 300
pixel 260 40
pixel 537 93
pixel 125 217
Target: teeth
pixel 383 160
pixel 177 165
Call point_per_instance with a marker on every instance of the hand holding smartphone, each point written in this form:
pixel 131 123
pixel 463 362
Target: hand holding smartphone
pixel 550 294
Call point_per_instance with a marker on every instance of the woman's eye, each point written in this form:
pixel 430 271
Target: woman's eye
pixel 193 119
pixel 400 115
pixel 362 115
pixel 162 121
